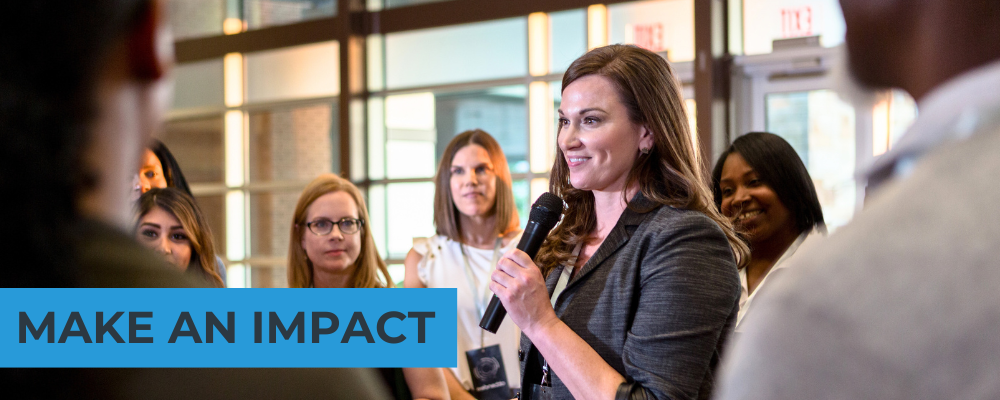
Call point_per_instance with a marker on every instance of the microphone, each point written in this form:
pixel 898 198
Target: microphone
pixel 544 216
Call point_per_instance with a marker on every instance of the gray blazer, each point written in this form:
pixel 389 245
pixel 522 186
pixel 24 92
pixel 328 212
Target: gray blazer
pixel 656 301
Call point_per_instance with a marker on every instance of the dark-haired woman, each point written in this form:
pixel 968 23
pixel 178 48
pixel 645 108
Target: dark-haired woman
pixel 641 269
pixel 172 224
pixel 160 170
pixel 761 184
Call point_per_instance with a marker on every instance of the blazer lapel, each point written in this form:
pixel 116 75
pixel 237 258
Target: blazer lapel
pixel 619 235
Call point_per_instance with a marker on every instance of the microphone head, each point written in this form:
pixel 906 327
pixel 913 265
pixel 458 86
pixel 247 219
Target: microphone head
pixel 546 210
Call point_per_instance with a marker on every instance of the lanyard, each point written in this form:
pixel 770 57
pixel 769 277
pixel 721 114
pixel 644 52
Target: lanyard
pixel 479 297
pixel 560 286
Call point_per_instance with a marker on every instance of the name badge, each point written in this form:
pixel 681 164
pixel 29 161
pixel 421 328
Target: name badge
pixel 489 378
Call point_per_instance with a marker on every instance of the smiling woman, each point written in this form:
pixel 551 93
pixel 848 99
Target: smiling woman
pixel 634 293
pixel 761 184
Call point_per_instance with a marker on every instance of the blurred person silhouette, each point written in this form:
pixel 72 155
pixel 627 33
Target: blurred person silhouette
pixel 83 84
pixel 901 302
pixel 331 246
pixel 763 187
pixel 476 221
pixel 159 169
pixel 171 223
pixel 633 295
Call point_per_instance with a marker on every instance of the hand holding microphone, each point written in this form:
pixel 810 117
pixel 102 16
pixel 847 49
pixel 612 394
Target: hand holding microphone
pixel 544 216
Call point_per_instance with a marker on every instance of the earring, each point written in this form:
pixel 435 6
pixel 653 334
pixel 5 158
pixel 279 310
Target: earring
pixel 644 150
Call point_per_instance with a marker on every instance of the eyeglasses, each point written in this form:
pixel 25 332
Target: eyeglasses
pixel 323 226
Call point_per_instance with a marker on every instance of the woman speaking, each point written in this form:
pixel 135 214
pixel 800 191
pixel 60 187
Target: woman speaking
pixel 635 291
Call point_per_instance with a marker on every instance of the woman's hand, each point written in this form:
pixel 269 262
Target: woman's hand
pixel 519 284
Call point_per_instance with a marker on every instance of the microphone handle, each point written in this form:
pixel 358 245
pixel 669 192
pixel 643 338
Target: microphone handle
pixel 531 241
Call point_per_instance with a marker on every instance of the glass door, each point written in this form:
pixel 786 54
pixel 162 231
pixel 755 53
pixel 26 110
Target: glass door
pixel 790 93
pixel 821 129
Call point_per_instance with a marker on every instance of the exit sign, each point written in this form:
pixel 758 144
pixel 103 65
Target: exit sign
pixel 797 22
pixel 649 36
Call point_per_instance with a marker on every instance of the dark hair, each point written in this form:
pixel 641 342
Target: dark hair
pixel 446 219
pixel 184 208
pixel 171 170
pixel 780 167
pixel 47 87
pixel 669 174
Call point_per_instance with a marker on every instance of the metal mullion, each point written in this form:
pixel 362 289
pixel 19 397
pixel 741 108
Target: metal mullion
pixel 274 37
pixel 262 261
pixel 514 177
pixel 287 104
pixel 202 112
pixel 432 15
pixel 458 87
pixel 421 16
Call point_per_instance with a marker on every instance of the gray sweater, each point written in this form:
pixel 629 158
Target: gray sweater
pixel 656 301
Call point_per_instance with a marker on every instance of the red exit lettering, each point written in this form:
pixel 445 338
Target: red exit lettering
pixel 796 22
pixel 649 36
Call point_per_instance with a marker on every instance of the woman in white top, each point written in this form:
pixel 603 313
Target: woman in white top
pixel 476 222
pixel 761 184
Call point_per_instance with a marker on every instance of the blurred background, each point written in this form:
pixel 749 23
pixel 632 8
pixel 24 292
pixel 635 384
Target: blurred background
pixel 271 93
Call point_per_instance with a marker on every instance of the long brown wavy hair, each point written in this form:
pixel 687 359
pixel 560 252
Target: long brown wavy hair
pixel 446 219
pixel 670 174
pixel 369 264
pixel 184 208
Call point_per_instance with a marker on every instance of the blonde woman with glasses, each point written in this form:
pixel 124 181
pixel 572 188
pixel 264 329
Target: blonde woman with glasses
pixel 331 246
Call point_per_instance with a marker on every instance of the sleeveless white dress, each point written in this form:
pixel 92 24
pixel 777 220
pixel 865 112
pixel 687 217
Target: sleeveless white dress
pixel 442 267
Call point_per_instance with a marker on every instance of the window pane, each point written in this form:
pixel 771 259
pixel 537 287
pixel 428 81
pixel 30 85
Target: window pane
pixel 197 144
pixel 268 276
pixel 892 115
pixel 397 272
pixel 376 202
pixel 501 111
pixel 196 18
pixel 198 84
pixel 767 20
pixel 463 53
pixel 410 213
pixel 419 127
pixel 293 144
pixel 522 199
pixel 305 71
pixel 270 222
pixel 568 38
pixel 661 25
pixel 821 129
pixel 213 209
pixel 263 13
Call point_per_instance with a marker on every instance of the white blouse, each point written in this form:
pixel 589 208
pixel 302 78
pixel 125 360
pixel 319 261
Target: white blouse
pixel 442 267
pixel 746 298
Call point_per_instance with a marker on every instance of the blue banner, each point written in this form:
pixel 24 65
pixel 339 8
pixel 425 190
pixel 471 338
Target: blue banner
pixel 227 328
